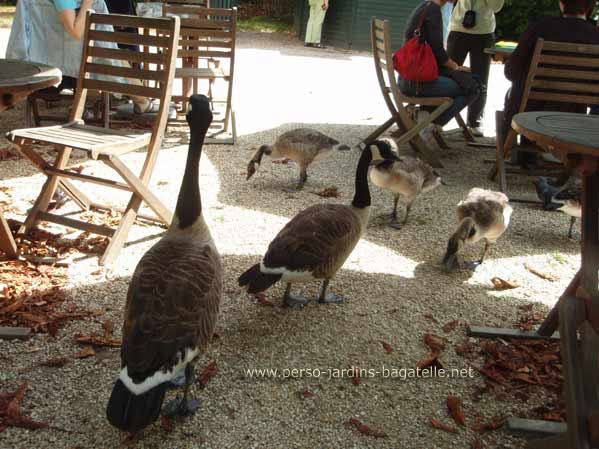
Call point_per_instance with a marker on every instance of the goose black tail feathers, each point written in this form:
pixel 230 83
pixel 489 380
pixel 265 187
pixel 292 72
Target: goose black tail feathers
pixel 256 280
pixel 132 413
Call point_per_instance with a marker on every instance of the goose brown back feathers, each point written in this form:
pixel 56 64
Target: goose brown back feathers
pixel 298 247
pixel 172 304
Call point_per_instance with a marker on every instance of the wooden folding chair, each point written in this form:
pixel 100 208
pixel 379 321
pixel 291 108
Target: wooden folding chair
pixel 395 100
pixel 561 75
pixel 207 38
pixel 103 144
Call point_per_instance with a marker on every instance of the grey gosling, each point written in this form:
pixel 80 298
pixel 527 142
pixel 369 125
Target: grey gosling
pixel 404 176
pixel 172 302
pixel 483 214
pixel 302 145
pixel 565 199
pixel 317 241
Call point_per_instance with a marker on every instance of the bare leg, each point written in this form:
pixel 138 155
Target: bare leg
pixel 183 406
pixel 293 300
pixel 325 297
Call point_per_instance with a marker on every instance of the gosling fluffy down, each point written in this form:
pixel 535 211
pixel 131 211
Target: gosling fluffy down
pixel 406 177
pixel 483 214
pixel 301 145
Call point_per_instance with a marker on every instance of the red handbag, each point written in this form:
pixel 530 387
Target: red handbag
pixel 415 61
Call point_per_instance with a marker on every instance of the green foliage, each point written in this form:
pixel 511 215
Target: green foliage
pixel 513 19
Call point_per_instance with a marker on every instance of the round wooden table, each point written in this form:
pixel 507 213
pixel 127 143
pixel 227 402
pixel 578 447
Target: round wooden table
pixel 20 78
pixel 574 139
pixel 17 80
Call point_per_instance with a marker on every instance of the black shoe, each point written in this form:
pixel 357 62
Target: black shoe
pixel 308 44
pixel 318 46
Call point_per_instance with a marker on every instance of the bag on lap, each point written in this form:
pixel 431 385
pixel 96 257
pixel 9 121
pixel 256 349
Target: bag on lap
pixel 415 61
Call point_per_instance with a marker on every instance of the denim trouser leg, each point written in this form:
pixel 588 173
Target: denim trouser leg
pixel 441 87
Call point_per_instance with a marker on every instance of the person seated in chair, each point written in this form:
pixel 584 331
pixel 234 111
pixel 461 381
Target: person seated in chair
pixel 572 27
pixel 453 81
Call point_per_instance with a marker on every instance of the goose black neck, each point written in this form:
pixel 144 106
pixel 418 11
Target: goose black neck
pixel 189 203
pixel 362 193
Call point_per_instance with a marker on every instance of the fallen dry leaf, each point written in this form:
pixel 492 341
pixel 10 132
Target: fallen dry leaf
pixel 11 414
pixel 208 373
pixel 450 326
pixel 454 405
pixel 502 284
pixel 364 429
pixel 490 425
pixel 387 347
pixel 167 424
pixel 329 192
pixel 57 362
pixel 439 425
pixel 87 351
pixel 436 343
pixel 261 299
pixel 429 316
pixel 97 340
pixel 108 327
pixel 430 362
pixel 547 277
pixel 305 394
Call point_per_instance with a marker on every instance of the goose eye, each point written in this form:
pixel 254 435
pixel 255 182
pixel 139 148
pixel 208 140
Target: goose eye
pixel 472 232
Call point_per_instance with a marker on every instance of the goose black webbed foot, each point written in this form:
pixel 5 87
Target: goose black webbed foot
pixel 331 298
pixel 180 406
pixel 181 381
pixel 295 301
pixel 396 224
pixel 473 265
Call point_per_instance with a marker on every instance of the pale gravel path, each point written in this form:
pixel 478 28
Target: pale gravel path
pixel 391 281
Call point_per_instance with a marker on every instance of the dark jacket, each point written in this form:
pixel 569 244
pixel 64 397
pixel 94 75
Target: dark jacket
pixel 559 29
pixel 432 29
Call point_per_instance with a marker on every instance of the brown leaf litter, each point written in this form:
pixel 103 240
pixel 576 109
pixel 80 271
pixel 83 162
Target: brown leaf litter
pixel 387 347
pixel 364 429
pixel 502 284
pixel 95 340
pixel 11 414
pixel 442 426
pixel 208 373
pixel 454 405
pixel 329 192
pixel 546 276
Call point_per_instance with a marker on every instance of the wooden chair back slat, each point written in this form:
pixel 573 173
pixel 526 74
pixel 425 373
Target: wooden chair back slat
pixel 204 53
pixel 128 38
pixel 105 69
pixel 126 55
pixel 122 88
pixel 205 23
pixel 120 20
pixel 193 41
pixel 562 72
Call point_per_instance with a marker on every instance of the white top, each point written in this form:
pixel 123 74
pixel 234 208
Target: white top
pixel 485 15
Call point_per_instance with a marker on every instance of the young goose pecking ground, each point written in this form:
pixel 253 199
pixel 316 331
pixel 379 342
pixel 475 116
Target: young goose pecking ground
pixel 302 145
pixel 483 214
pixel 172 302
pixel 317 241
pixel 404 176
pixel 567 200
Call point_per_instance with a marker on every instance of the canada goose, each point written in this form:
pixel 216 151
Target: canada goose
pixel 483 214
pixel 172 302
pixel 564 199
pixel 405 176
pixel 317 241
pixel 302 145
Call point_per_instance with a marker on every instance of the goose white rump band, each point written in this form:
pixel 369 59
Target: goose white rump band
pixel 288 275
pixel 158 377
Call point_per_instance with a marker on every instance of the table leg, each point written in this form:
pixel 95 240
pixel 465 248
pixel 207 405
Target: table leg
pixel 7 243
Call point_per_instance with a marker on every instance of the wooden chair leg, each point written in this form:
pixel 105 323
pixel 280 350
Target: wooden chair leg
pixel 467 133
pixel 7 243
pixel 120 235
pixel 440 140
pixel 377 132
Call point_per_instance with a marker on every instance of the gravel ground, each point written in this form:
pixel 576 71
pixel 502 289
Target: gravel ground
pixel 392 281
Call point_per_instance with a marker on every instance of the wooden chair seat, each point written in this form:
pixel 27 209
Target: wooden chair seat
pixel 94 140
pixel 204 73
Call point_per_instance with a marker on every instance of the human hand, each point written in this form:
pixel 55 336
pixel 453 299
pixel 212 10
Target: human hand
pixel 325 6
pixel 461 68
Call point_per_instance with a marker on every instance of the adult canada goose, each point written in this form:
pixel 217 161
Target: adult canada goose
pixel 172 302
pixel 483 214
pixel 302 145
pixel 317 241
pixel 565 199
pixel 405 176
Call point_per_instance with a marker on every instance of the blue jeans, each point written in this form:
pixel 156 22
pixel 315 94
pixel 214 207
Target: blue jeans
pixel 441 87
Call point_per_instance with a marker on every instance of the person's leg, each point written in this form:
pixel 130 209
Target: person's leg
pixel 457 46
pixel 446 87
pixel 314 27
pixel 480 63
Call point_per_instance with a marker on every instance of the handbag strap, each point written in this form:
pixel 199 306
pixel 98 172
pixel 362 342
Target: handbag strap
pixel 421 20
